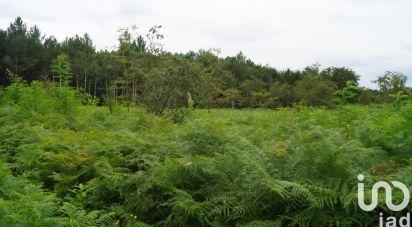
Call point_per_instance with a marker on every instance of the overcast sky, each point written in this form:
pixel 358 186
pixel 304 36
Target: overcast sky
pixel 369 36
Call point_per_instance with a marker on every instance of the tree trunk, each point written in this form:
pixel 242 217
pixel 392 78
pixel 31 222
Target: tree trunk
pixel 16 68
pixel 122 92
pixel 77 82
pixel 85 82
pixel 106 88
pixel 94 90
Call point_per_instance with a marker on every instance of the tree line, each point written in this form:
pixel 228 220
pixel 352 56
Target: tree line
pixel 141 72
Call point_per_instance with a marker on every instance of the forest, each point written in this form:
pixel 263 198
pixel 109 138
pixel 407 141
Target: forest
pixel 141 73
pixel 139 136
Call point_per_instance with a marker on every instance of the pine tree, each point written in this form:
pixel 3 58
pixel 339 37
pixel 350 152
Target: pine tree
pixel 61 69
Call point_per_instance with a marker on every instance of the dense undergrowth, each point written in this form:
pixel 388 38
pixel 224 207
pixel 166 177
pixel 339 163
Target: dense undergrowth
pixel 81 165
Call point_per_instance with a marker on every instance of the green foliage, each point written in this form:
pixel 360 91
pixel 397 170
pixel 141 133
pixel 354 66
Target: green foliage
pixel 348 94
pixel 282 94
pixel 141 73
pixel 230 97
pixel 66 162
pixel 42 98
pixel 166 86
pixel 14 93
pixel 25 204
pixel 369 96
pixel 341 76
pixel 313 90
pixel 61 69
pixel 213 168
pixel 178 115
pixel 390 83
pixel 399 99
pixel 110 100
pixel 66 100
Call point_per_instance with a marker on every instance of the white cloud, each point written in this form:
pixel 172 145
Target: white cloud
pixel 370 36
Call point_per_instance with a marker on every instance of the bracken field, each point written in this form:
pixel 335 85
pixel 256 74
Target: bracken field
pixel 66 162
pixel 136 135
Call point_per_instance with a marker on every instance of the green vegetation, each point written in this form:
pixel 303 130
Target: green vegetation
pixel 140 72
pixel 139 136
pixel 84 165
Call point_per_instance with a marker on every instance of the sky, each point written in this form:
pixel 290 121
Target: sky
pixel 369 36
